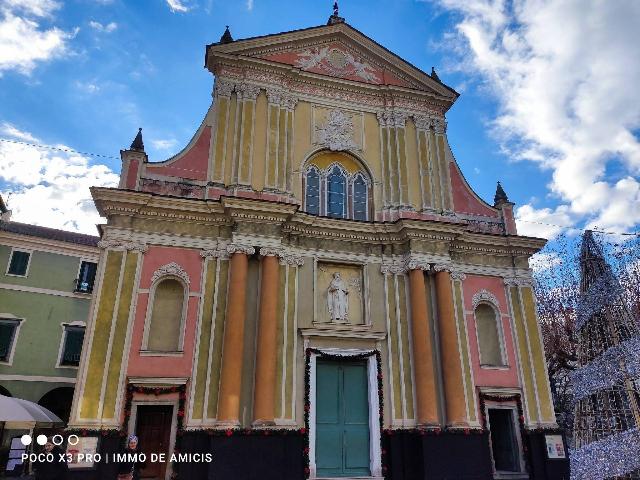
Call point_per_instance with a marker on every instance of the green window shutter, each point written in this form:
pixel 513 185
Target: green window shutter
pixel 7 330
pixel 19 263
pixel 73 346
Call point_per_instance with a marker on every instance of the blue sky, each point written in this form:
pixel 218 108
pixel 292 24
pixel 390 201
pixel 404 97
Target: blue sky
pixel 547 104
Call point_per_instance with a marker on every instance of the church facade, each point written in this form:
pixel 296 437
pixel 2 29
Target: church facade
pixel 311 289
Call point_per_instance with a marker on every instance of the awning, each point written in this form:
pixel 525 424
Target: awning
pixel 18 413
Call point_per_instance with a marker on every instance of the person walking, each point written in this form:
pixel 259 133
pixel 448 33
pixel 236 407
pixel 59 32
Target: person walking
pixel 129 469
pixel 54 465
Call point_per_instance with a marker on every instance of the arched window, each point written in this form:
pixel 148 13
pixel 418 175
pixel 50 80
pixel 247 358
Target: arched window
pixel 489 338
pixel 336 193
pixel 165 324
pixel 312 195
pixel 360 206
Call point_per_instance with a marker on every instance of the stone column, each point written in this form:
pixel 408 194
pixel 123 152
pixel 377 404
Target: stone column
pixel 455 404
pixel 265 381
pixel 426 398
pixel 231 371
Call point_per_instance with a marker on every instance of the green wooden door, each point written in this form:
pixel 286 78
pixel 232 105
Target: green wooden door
pixel 342 419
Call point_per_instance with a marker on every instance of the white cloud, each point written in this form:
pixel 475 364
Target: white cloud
pixel 178 6
pixel 563 73
pixel 544 261
pixel 23 43
pixel 164 144
pixel 87 87
pixel 250 5
pixel 543 222
pixel 12 131
pixel 107 28
pixel 51 188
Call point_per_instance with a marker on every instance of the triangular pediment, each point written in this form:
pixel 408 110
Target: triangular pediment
pixel 338 51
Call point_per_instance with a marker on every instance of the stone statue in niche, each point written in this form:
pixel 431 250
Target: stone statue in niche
pixel 337 299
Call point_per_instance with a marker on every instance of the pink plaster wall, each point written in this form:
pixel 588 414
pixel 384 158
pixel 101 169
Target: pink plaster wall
pixel 132 174
pixel 180 366
pixel 464 201
pixel 193 164
pixel 484 377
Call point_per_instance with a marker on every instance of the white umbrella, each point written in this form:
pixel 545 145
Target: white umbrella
pixel 18 411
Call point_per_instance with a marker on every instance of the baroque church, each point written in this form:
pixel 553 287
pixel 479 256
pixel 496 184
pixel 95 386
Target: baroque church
pixel 311 289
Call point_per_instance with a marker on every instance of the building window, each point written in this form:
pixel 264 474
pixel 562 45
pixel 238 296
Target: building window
pixel 72 346
pixel 86 277
pixel 333 192
pixel 312 197
pixel 19 263
pixel 8 330
pixel 489 338
pixel 336 193
pixel 505 445
pixel 165 325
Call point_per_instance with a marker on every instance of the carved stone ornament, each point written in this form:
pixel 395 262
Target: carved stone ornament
pixel 392 269
pixel 337 132
pixel 485 296
pixel 416 264
pixel 458 275
pixel 223 88
pixel 248 91
pixel 236 248
pixel 214 253
pixel 392 118
pixel 170 269
pixel 439 125
pixel 336 62
pixel 442 267
pixel 518 282
pixel 271 252
pixel 291 259
pixel 126 245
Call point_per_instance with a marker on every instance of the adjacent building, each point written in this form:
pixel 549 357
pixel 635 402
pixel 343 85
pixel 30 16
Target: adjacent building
pixel 46 285
pixel 311 288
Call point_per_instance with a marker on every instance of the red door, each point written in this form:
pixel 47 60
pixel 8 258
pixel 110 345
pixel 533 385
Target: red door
pixel 153 427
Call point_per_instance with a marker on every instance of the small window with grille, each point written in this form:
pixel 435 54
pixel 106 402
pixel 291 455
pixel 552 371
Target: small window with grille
pixel 86 277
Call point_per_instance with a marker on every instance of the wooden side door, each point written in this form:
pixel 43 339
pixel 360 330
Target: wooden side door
pixel 153 427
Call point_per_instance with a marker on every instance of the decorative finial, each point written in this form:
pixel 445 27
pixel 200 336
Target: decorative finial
pixel 500 197
pixel 137 143
pixel 226 36
pixel 434 75
pixel 335 18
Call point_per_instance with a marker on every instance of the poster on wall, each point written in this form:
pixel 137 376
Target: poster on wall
pixel 82 455
pixel 555 446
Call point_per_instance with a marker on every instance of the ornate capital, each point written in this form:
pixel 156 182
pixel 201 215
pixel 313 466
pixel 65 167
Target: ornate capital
pixel 443 267
pixel 289 101
pixel 485 296
pixel 214 253
pixel 458 275
pixel 518 282
pixel 236 248
pixel 439 125
pixel 274 95
pixel 392 268
pixel 223 88
pixel 291 259
pixel 248 91
pixel 416 264
pixel 170 269
pixel 392 118
pixel 125 245
pixel 271 252
pixel 423 122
